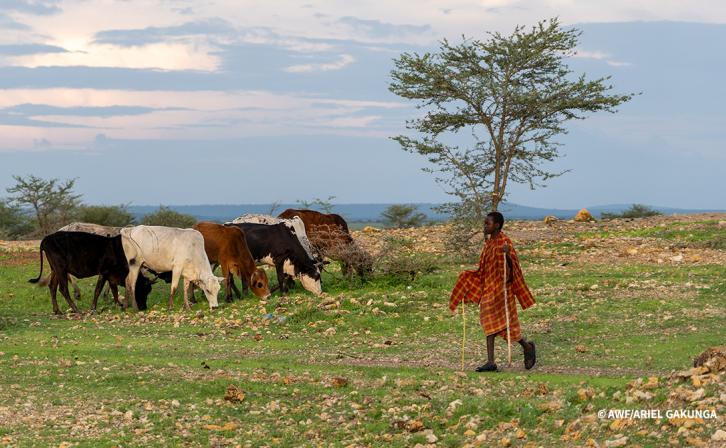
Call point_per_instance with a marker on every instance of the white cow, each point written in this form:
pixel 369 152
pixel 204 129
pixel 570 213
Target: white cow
pixel 296 225
pixel 164 249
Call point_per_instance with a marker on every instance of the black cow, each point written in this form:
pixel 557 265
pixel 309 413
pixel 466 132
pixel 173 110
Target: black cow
pixel 276 245
pixel 84 255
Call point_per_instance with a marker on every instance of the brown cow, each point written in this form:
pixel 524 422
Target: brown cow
pixel 329 234
pixel 227 247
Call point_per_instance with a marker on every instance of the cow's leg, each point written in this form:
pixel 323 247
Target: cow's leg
pixel 245 286
pixel 76 289
pixel 281 278
pixel 234 287
pixel 188 288
pixel 53 287
pixel 175 274
pixel 289 282
pixel 114 291
pixel 99 287
pixel 63 285
pixel 131 286
pixel 227 273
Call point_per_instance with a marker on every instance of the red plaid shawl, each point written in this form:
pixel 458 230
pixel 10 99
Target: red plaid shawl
pixel 484 286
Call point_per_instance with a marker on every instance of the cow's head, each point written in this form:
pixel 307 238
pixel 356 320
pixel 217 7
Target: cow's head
pixel 210 287
pixel 259 284
pixel 309 276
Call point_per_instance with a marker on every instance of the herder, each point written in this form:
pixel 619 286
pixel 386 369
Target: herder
pixel 485 286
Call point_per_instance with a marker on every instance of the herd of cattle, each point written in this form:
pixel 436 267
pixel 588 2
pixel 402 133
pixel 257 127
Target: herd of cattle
pixel 298 243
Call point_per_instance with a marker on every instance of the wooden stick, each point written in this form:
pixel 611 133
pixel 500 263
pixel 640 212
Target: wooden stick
pixel 463 339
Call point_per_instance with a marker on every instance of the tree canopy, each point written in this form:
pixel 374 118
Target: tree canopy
pixel 512 93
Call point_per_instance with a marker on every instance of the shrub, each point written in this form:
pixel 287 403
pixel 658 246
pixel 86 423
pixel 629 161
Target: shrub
pixel 399 259
pixel 400 215
pixel 635 211
pixel 106 215
pixel 13 222
pixel 165 216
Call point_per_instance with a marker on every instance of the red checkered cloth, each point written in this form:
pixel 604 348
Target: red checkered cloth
pixel 485 287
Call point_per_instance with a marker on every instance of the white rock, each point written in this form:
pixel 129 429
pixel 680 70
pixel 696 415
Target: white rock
pixel 614 443
pixel 719 435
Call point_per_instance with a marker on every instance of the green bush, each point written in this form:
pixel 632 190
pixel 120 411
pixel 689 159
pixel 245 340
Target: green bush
pixel 635 211
pixel 400 215
pixel 13 222
pixel 165 216
pixel 106 215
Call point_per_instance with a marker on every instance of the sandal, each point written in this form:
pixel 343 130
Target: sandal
pixel 488 367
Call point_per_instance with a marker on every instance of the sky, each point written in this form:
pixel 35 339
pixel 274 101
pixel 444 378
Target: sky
pixel 231 101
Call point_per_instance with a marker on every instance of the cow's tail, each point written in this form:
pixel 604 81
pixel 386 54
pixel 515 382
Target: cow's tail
pixel 43 282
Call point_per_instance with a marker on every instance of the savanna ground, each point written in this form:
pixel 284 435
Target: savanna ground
pixel 623 308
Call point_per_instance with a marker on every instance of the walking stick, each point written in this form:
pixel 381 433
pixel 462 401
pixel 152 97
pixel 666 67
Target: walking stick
pixel 463 339
pixel 506 311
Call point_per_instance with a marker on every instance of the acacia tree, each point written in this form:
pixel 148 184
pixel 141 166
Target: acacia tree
pixel 513 93
pixel 53 202
pixel 401 215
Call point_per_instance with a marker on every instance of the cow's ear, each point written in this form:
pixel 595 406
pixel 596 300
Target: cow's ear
pixel 221 279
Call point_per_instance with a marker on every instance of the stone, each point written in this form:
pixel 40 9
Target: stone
pixel 614 443
pixel 550 219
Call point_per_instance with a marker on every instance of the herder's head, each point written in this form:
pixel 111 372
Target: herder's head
pixel 493 223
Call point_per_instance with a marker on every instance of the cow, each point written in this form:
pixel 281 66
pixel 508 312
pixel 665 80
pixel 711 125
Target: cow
pixel 295 224
pixel 88 227
pixel 274 244
pixel 164 249
pixel 227 247
pixel 329 234
pixel 84 255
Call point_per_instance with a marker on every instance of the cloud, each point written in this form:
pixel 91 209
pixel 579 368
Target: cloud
pixel 376 28
pixel 600 56
pixel 153 34
pixel 8 23
pixel 341 62
pixel 24 49
pixel 11 119
pixel 159 56
pixel 28 109
pixel 36 7
pixel 353 122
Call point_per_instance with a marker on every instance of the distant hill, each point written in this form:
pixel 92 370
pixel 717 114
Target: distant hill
pixel 372 212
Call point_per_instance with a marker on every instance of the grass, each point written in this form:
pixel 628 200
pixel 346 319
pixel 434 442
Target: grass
pixel 159 378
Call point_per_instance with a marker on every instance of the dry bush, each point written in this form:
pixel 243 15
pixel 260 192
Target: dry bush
pixel 399 259
pixel 332 242
pixel 464 241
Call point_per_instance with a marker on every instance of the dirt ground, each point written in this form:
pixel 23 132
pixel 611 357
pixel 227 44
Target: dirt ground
pixel 610 249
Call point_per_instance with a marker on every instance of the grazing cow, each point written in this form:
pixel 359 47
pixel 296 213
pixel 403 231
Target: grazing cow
pixel 330 235
pixel 95 229
pixel 274 244
pixel 227 247
pixel 295 224
pixel 84 255
pixel 163 249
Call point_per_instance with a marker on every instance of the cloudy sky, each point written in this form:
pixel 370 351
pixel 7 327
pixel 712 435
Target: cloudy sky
pixel 231 101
